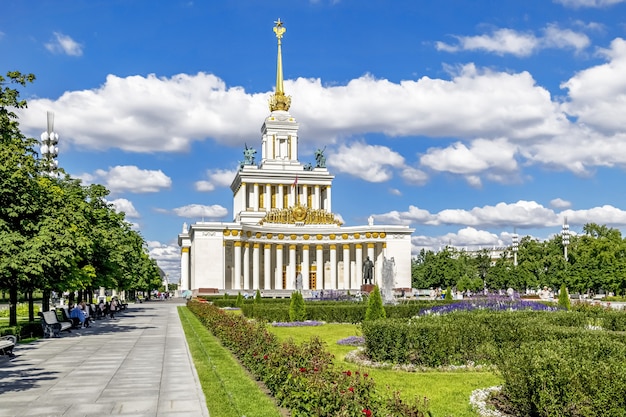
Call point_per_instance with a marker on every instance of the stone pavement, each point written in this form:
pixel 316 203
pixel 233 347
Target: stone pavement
pixel 137 364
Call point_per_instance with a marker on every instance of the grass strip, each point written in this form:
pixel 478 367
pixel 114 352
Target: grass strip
pixel 228 389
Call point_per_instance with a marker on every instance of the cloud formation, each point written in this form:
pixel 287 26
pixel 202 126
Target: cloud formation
pixel 63 44
pixel 129 178
pixel 199 211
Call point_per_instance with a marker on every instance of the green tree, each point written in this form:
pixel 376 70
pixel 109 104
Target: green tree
pixel 297 308
pixel 257 297
pixel 19 188
pixel 564 298
pixel 375 309
pixel 239 300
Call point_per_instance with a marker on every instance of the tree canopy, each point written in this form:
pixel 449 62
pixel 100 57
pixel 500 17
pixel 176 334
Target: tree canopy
pixel 57 234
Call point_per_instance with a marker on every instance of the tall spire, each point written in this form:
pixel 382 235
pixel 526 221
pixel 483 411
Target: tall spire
pixel 279 101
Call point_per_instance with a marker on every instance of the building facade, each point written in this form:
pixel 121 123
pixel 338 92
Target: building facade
pixel 284 235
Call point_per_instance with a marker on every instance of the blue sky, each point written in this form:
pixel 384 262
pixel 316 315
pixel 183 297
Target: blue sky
pixel 465 120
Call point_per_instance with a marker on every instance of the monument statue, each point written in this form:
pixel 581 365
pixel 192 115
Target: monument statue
pixel 368 267
pixel 248 156
pixel 320 159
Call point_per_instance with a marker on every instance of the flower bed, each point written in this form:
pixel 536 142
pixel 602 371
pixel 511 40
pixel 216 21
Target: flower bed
pixel 303 377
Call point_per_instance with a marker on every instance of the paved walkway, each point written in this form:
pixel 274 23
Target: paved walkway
pixel 137 364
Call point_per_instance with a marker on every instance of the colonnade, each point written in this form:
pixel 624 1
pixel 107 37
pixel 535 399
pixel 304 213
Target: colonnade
pixel 276 265
pixel 280 196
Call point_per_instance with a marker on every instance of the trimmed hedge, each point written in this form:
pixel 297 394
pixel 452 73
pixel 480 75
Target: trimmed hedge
pixel 579 377
pixel 462 337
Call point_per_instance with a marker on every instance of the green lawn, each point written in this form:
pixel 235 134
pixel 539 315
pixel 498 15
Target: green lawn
pixel 448 392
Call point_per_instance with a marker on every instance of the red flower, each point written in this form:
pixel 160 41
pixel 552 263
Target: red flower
pixel 315 369
pixel 367 412
pixel 265 357
pixel 302 369
pixel 348 373
pixel 351 389
pixel 365 375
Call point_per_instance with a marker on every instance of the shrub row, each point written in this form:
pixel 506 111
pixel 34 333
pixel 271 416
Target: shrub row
pixel 330 311
pixel 302 378
pixel 462 337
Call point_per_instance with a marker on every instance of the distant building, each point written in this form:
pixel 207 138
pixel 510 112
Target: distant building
pixel 284 233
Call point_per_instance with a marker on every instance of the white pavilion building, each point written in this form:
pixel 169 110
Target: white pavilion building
pixel 284 235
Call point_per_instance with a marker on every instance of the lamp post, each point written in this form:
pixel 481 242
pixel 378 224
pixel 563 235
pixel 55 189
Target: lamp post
pixel 515 245
pixel 49 150
pixel 565 238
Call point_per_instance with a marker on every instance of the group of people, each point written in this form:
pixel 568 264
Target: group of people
pixel 84 313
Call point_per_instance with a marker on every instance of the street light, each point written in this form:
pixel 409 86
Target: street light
pixel 565 237
pixel 49 150
pixel 515 244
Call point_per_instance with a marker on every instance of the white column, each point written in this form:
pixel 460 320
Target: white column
pixel 279 197
pixel 246 265
pixel 346 267
pixel 370 253
pixel 359 265
pixel 267 200
pixel 328 199
pixel 267 276
pixel 184 269
pixel 244 196
pixel 305 194
pixel 316 197
pixel 291 269
pixel 278 278
pixel 319 266
pixel 255 266
pixel 255 197
pixel 333 266
pixel 305 267
pixel 236 284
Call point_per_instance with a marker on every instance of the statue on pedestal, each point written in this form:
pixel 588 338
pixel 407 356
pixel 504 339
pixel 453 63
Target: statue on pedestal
pixel 368 267
pixel 320 159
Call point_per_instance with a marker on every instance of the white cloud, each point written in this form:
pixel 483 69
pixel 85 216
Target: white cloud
pixel 369 162
pixel 496 157
pixel 521 44
pixel 199 211
pixel 414 176
pixel 217 178
pixel 522 214
pixel 501 41
pixel 588 3
pixel 126 206
pixel 597 95
pixel 607 215
pixel 559 203
pixel 63 44
pixel 395 191
pixel 129 178
pixel 167 257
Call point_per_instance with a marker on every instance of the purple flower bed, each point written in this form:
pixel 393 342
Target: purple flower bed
pixel 493 303
pixel 352 341
pixel 297 323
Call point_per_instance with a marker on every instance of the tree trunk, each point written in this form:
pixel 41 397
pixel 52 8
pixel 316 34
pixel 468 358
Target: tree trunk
pixel 31 306
pixel 13 305
pixel 45 302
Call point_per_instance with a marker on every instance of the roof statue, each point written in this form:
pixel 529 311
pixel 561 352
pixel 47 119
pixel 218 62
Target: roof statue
pixel 320 159
pixel 279 101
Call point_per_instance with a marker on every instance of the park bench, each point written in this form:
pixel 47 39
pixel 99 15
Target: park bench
pixel 7 343
pixel 51 325
pixel 65 314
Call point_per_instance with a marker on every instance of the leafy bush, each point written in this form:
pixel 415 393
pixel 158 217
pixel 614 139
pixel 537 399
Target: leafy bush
pixel 375 308
pixel 583 376
pixel 297 309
